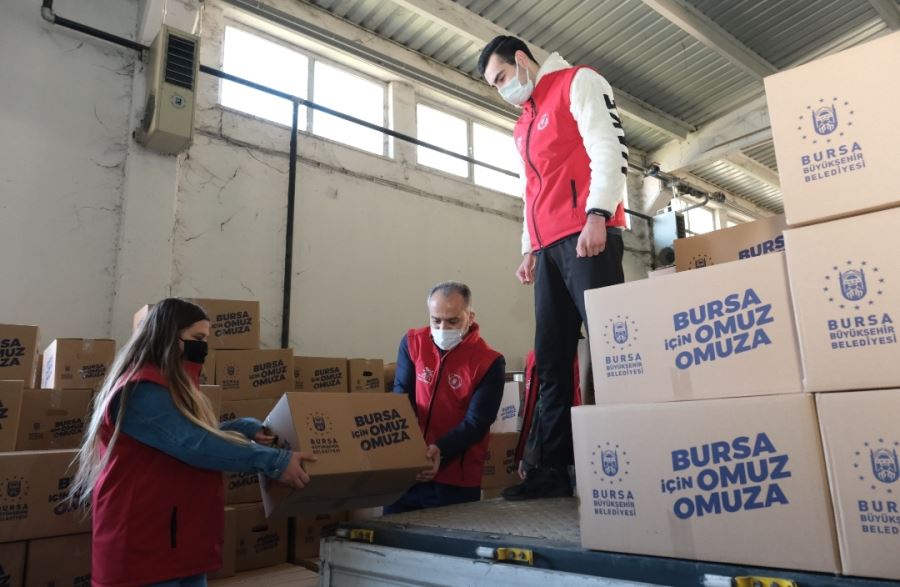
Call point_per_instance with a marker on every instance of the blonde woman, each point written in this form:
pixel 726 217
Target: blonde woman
pixel 152 458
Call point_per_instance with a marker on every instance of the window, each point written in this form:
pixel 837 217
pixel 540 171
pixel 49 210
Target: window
pixel 700 220
pixel 497 148
pixel 270 64
pixel 340 90
pixel 267 63
pixel 445 131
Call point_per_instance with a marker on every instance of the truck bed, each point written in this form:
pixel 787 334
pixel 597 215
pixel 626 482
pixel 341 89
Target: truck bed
pixel 454 546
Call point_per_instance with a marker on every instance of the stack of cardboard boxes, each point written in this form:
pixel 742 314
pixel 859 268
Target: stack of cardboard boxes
pixel 835 127
pixel 705 429
pixel 44 537
pixel 501 468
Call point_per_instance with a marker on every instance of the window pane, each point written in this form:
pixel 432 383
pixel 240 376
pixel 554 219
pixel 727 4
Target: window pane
pixel 340 90
pixel 497 148
pixel 701 220
pixel 266 63
pixel 446 131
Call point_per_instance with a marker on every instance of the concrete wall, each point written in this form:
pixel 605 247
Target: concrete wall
pixel 64 108
pixel 117 226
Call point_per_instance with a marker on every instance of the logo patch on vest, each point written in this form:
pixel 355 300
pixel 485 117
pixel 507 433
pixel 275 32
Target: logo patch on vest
pixel 455 381
pixel 543 122
pixel 425 376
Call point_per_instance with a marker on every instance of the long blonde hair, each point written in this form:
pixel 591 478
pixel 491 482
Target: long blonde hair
pixel 155 342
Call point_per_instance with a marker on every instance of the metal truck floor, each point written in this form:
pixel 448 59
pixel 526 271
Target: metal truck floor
pixel 416 544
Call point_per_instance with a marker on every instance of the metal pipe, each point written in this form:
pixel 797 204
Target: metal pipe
pixel 51 17
pixel 289 236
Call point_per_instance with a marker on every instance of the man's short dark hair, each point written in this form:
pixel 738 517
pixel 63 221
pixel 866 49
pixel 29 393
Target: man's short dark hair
pixel 448 288
pixel 504 47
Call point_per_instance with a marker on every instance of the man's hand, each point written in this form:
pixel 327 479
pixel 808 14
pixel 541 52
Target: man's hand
pixel 523 470
pixel 525 272
pixel 263 437
pixel 294 475
pixel 592 240
pixel 433 453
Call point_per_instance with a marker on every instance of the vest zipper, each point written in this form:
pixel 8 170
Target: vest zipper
pixel 574 195
pixel 434 389
pixel 537 233
pixel 173 528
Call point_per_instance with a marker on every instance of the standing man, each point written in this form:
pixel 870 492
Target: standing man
pixel 454 381
pixel 572 144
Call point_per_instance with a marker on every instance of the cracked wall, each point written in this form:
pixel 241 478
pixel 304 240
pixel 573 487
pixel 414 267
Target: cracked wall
pixel 64 107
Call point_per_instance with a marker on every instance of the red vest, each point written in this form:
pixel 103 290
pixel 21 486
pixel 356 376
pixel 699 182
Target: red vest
pixel 444 387
pixel 557 166
pixel 154 517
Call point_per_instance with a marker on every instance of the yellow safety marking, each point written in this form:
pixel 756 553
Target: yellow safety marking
pixel 519 555
pixel 362 535
pixel 763 582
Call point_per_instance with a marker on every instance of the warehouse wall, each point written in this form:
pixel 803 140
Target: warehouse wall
pixel 64 108
pixel 122 227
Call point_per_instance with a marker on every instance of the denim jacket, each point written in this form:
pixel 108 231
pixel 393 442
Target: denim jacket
pixel 152 418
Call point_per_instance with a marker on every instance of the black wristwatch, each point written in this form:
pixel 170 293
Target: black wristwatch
pixel 599 212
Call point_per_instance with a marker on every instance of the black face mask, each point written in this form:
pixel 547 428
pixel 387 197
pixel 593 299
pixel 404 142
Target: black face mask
pixel 195 351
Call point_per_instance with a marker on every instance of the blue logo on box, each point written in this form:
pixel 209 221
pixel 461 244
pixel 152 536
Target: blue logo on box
pixel 613 462
pixel 825 119
pixel 884 465
pixel 620 332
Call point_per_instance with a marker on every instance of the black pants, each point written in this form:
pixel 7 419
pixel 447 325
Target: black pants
pixel 432 495
pixel 560 281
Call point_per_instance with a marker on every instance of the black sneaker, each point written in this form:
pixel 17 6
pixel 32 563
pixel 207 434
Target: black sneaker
pixel 541 483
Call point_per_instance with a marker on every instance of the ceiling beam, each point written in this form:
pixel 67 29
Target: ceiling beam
pixel 888 11
pixel 469 25
pixel 753 168
pixel 705 30
pixel 745 127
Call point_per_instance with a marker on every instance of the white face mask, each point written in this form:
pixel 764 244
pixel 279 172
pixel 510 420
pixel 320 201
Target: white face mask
pixel 514 91
pixel 447 339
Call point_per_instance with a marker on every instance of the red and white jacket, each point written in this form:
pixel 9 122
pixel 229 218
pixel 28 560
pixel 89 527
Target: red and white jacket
pixel 572 145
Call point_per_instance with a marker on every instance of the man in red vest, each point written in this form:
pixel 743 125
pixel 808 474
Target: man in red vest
pixel 572 145
pixel 454 381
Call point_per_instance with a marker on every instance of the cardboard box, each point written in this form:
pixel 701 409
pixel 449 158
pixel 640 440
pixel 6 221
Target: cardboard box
pixel 320 374
pixel 744 241
pixel 261 373
pixel 77 363
pixel 369 449
pixel 234 324
pixel 34 486
pixel 10 408
pixel 845 282
pixel 60 561
pixel 18 352
pixel 501 469
pixel 862 443
pixel 684 479
pixel 390 372
pixel 12 564
pixel 495 493
pixel 38 372
pixel 53 419
pixel 661 272
pixel 830 121
pixel 365 375
pixel 261 543
pixel 509 417
pixel 307 533
pixel 229 546
pixel 244 487
pixel 729 323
